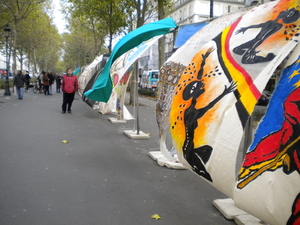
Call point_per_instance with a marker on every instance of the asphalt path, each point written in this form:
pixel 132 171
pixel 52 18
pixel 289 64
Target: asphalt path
pixel 99 177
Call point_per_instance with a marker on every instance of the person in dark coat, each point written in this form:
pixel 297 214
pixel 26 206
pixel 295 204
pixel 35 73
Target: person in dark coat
pixel 51 81
pixel 40 80
pixel 58 82
pixel 19 81
pixel 27 80
pixel 46 83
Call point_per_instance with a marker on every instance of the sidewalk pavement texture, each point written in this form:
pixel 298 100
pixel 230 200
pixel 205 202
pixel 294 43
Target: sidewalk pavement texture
pixel 99 177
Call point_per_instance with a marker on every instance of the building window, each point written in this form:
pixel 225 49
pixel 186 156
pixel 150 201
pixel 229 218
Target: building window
pixel 201 8
pixel 217 10
pixel 191 9
pixel 229 8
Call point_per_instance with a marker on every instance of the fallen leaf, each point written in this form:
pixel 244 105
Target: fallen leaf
pixel 155 216
pixel 64 141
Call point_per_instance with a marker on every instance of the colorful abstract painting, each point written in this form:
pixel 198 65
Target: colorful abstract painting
pixel 88 76
pixel 121 71
pixel 102 87
pixel 218 90
pixel 173 68
pixel 270 171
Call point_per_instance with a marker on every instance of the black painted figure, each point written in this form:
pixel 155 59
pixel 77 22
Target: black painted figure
pixel 248 49
pixel 197 157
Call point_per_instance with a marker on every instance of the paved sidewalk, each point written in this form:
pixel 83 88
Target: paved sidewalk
pixel 99 177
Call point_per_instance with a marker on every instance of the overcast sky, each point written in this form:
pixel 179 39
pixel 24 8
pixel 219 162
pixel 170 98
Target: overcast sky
pixel 58 17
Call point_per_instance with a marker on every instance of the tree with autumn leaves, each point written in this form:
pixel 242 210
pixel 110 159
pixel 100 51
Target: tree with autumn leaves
pixel 103 22
pixel 93 27
pixel 34 38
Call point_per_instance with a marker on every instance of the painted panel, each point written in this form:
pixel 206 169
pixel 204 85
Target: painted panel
pixel 268 184
pixel 218 90
pixel 173 68
pixel 121 71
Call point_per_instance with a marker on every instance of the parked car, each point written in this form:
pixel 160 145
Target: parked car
pixel 264 98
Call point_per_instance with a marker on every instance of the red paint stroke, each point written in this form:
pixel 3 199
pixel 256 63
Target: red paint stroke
pixel 246 75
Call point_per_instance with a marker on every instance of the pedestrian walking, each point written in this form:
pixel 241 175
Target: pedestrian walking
pixel 40 80
pixel 69 87
pixel 27 80
pixel 19 81
pixel 58 83
pixel 45 83
pixel 51 81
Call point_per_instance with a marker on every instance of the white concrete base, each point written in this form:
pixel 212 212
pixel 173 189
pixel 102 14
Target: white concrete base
pixel 133 134
pixel 116 120
pixel 228 208
pixel 231 212
pixel 248 220
pixel 163 161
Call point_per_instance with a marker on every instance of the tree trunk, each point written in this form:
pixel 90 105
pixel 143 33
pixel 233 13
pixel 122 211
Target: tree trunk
pixel 131 87
pixel 14 66
pixel 161 41
pixel 140 22
pixel 211 11
pixel 34 62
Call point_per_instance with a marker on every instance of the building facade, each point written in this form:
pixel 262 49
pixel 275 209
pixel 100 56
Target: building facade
pixel 194 11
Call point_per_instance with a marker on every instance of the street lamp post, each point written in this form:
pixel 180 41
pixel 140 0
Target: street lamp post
pixel 7 91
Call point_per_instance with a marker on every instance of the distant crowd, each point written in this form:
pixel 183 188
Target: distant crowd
pixel 68 83
pixel 46 80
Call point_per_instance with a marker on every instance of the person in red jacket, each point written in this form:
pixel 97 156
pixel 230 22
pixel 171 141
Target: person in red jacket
pixel 69 87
